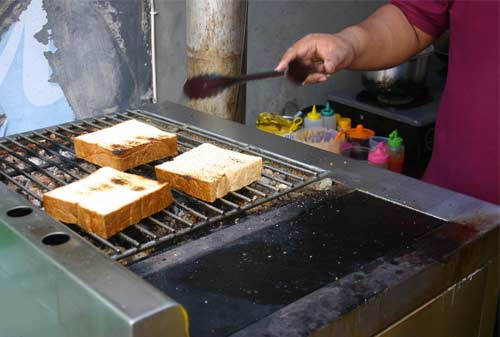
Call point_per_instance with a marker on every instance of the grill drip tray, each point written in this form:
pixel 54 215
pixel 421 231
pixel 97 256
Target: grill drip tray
pixel 245 272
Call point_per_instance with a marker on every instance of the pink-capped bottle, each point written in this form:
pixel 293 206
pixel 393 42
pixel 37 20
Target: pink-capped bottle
pixel 379 156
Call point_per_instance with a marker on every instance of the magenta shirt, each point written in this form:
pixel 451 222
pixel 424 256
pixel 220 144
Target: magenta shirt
pixel 466 155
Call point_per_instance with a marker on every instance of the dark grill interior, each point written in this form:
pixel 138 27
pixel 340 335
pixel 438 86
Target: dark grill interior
pixel 36 162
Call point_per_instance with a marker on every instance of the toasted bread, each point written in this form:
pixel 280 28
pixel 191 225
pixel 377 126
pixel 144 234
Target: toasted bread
pixel 107 201
pixel 208 172
pixel 125 145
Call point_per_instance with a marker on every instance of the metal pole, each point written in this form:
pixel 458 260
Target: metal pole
pixel 153 14
pixel 215 43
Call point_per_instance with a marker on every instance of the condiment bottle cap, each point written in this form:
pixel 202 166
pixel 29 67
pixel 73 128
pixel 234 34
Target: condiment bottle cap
pixel 360 132
pixel 379 155
pixel 394 139
pixel 327 110
pixel 314 115
pixel 345 123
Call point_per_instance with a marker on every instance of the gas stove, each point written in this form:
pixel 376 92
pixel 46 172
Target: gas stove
pixel 416 111
pixel 396 101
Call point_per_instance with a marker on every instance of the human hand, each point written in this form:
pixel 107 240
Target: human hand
pixel 323 54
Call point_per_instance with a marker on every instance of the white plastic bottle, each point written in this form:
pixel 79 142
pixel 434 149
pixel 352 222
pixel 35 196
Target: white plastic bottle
pixel 328 117
pixel 313 119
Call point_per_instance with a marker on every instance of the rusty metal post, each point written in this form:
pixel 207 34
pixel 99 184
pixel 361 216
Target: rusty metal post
pixel 215 44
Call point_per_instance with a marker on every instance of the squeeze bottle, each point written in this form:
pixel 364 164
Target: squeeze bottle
pixel 396 151
pixel 328 117
pixel 379 156
pixel 344 124
pixel 313 119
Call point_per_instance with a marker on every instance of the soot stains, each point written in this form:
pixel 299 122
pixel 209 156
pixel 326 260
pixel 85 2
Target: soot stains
pixel 120 181
pixel 100 187
pixel 118 149
pixel 149 138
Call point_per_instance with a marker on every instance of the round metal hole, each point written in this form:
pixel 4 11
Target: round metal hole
pixel 17 212
pixel 55 239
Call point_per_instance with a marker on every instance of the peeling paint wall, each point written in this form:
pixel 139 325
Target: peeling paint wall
pixel 102 61
pixel 95 52
pixel 27 97
pixel 9 13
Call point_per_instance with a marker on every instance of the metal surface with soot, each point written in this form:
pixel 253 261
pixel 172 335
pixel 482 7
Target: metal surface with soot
pixel 277 257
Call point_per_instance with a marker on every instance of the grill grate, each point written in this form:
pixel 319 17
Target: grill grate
pixel 35 162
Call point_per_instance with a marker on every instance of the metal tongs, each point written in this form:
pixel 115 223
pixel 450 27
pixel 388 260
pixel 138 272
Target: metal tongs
pixel 207 85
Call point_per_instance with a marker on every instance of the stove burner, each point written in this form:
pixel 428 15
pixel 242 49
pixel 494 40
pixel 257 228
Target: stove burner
pixel 397 100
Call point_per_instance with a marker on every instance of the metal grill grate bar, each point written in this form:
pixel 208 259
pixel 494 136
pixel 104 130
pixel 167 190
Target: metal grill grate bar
pixel 161 224
pixel 144 230
pixel 23 173
pixel 47 160
pixel 201 202
pixel 178 218
pixel 197 214
pixel 48 149
pixel 20 186
pixel 254 191
pixel 54 150
pixel 26 161
pixel 104 242
pixel 267 186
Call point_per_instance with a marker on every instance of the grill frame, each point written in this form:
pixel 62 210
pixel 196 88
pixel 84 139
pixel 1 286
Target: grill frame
pixel 296 175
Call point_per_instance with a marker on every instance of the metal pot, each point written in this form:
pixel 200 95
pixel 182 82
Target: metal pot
pixel 402 79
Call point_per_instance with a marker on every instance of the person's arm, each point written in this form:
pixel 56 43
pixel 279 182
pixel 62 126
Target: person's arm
pixel 383 40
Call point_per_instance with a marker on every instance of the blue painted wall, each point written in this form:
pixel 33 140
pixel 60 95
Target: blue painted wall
pixel 27 97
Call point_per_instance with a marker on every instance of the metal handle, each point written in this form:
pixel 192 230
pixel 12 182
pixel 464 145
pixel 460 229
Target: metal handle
pixel 259 76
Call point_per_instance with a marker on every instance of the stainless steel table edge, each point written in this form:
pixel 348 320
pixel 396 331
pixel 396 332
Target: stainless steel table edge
pixel 82 291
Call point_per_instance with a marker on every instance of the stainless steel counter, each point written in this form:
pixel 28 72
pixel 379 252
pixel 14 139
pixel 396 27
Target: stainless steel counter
pixel 369 300
pixel 85 293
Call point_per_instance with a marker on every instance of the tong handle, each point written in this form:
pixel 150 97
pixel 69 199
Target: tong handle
pixel 259 76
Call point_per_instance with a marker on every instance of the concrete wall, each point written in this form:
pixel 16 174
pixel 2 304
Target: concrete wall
pixel 272 27
pixel 171 52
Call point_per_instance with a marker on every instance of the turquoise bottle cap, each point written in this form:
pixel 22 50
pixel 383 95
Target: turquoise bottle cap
pixel 327 110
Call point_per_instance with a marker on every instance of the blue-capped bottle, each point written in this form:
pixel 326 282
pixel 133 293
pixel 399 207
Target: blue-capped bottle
pixel 328 117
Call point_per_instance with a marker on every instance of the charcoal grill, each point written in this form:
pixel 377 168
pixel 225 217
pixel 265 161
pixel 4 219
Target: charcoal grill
pixel 36 162
pixel 272 256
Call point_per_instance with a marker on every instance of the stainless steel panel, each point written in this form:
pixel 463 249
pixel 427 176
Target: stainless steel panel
pixel 71 289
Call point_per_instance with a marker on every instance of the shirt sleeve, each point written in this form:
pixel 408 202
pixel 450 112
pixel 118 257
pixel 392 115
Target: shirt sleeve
pixel 430 16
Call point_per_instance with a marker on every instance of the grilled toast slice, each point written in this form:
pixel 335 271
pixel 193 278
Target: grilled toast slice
pixel 125 145
pixel 107 201
pixel 208 172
